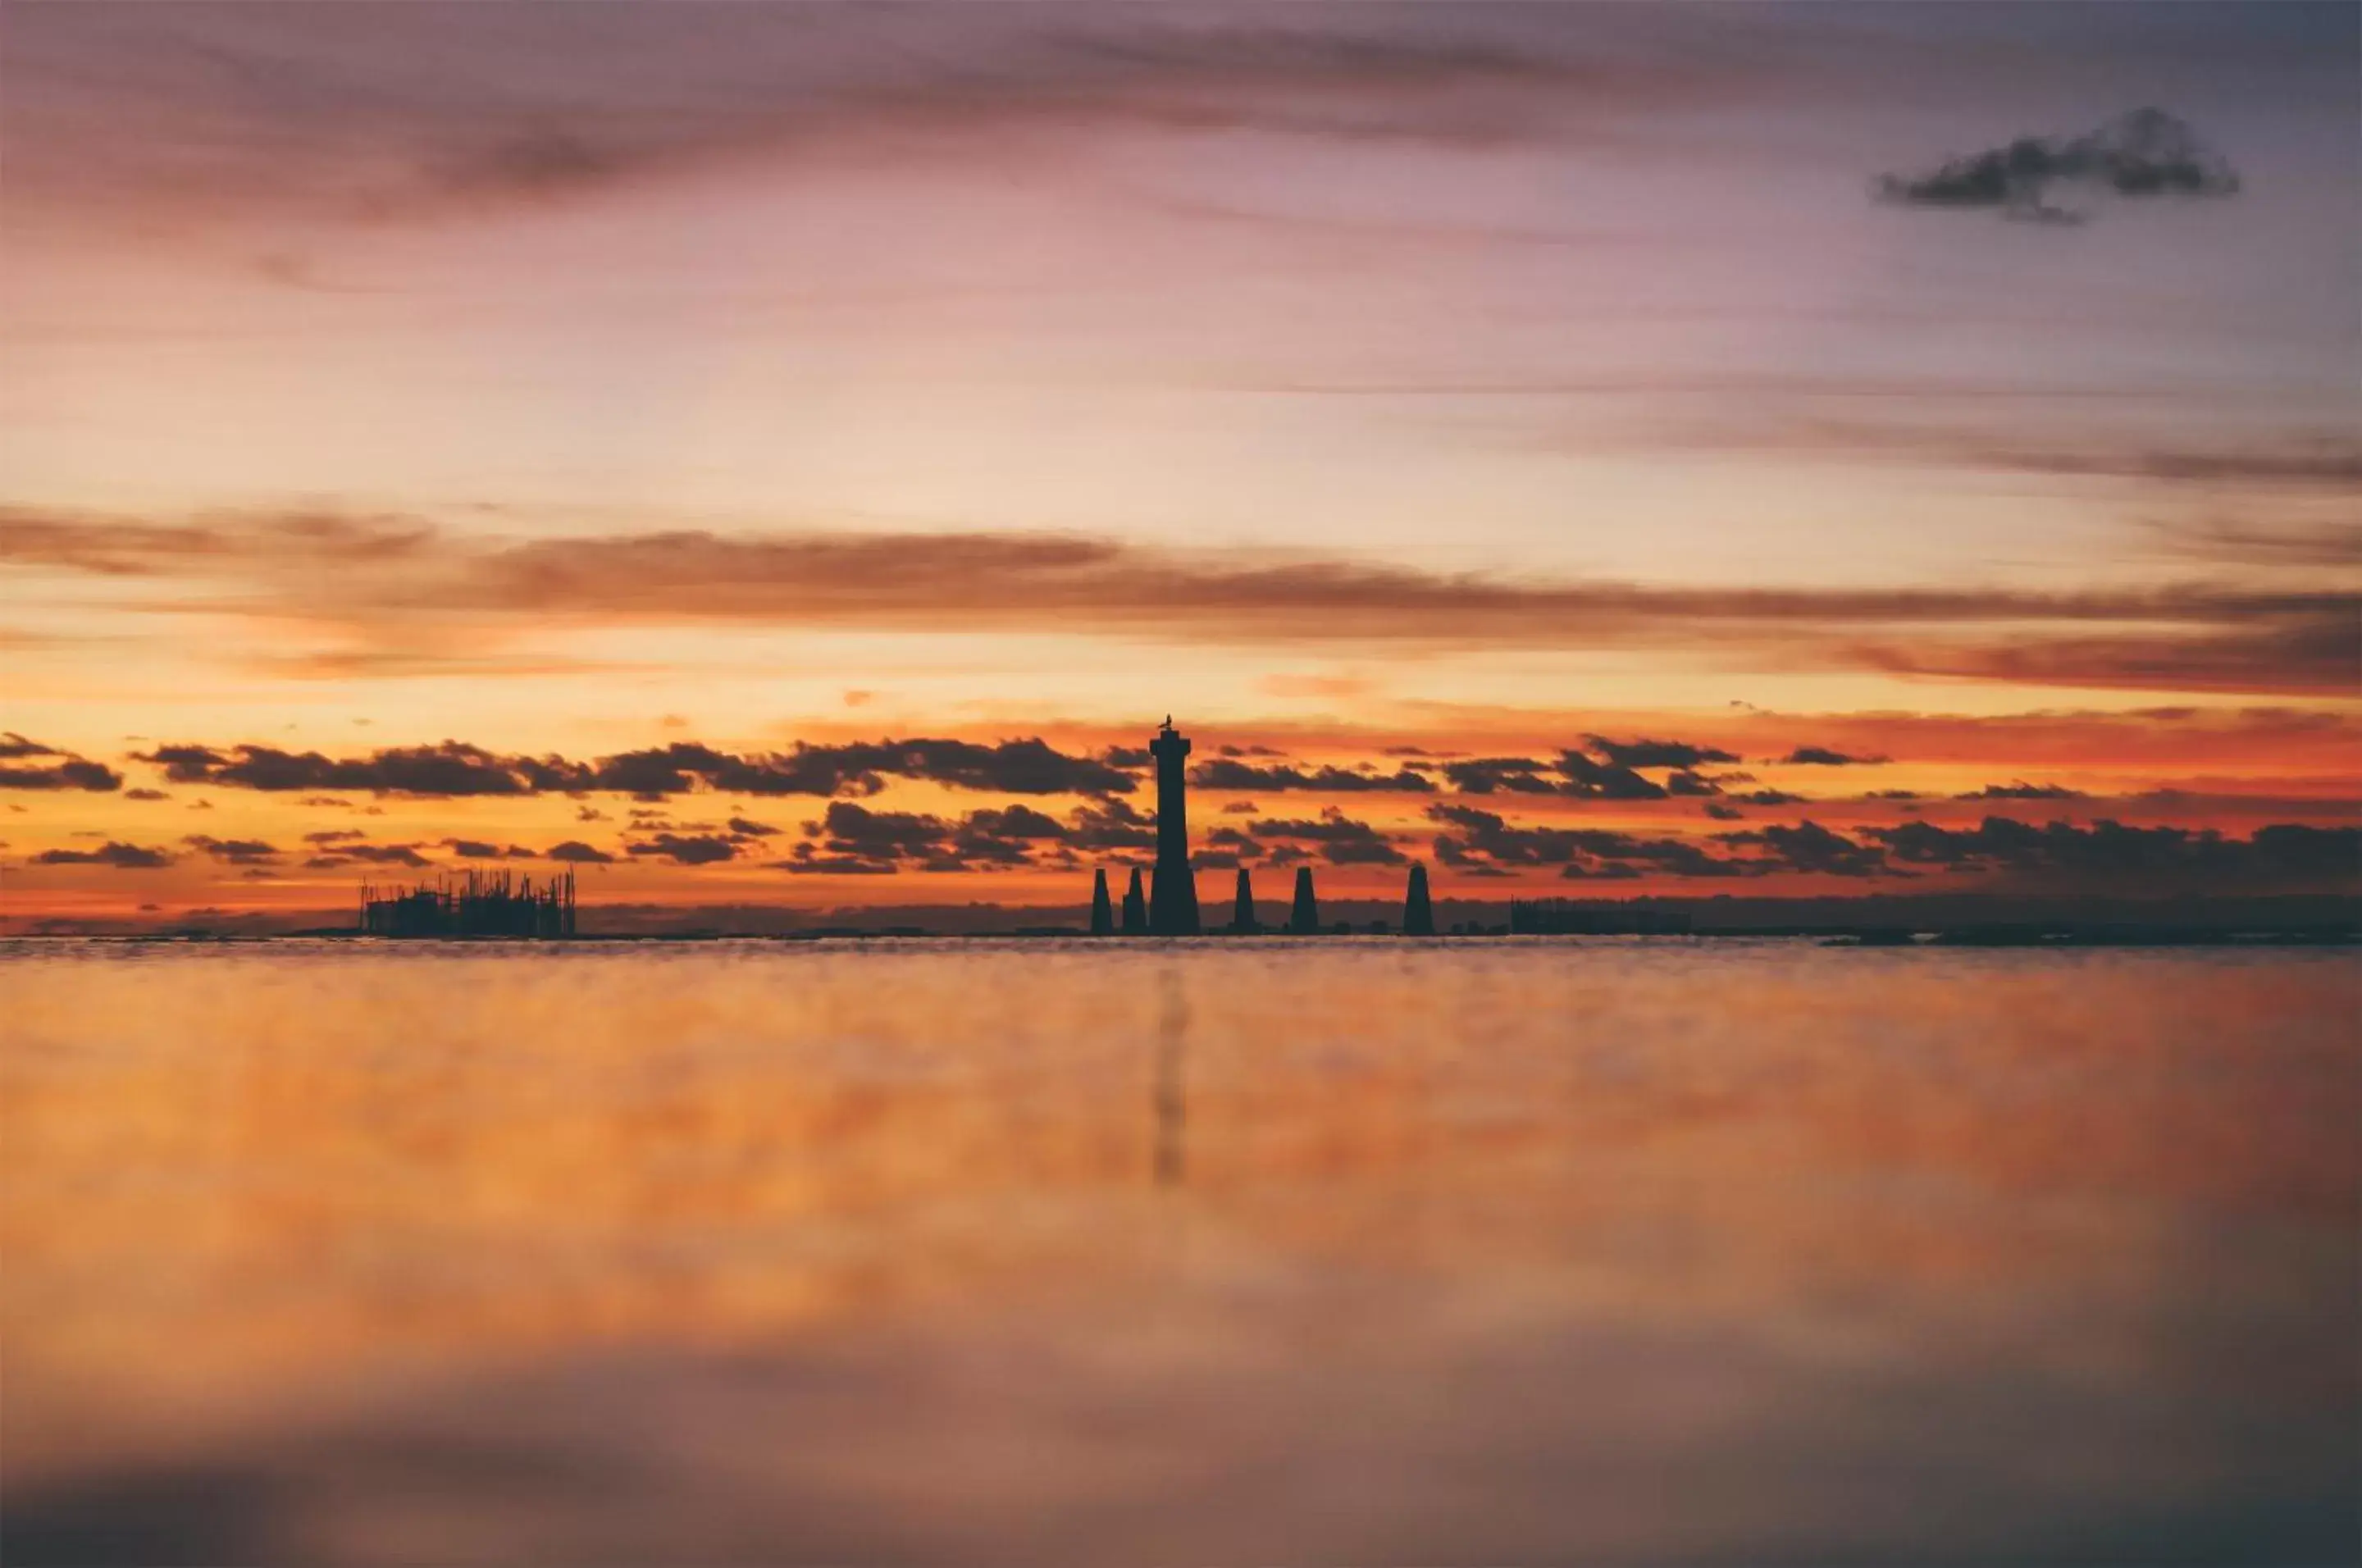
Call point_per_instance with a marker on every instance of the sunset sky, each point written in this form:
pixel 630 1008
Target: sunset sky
pixel 1593 450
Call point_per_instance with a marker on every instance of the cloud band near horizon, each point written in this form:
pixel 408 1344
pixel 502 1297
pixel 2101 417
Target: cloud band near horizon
pixel 2193 636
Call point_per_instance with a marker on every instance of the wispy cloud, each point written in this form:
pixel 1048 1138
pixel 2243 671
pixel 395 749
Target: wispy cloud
pixel 2195 636
pixel 2330 544
pixel 390 112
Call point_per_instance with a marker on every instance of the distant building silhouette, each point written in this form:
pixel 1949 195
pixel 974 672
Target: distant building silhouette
pixel 479 905
pixel 1173 891
pixel 1304 917
pixel 1242 909
pixel 1419 916
pixel 1135 908
pixel 1102 910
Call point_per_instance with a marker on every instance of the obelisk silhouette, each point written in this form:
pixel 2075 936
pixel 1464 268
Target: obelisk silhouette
pixel 1304 918
pixel 1418 915
pixel 1102 910
pixel 1173 891
pixel 1242 915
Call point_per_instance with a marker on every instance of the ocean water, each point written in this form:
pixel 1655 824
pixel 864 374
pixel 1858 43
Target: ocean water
pixel 1353 1250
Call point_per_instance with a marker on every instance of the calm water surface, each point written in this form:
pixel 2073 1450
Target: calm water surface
pixel 1364 1251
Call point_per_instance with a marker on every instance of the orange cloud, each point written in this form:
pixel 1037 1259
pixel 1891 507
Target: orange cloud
pixel 2185 637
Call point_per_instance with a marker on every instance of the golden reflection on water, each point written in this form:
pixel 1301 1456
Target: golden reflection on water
pixel 252 1189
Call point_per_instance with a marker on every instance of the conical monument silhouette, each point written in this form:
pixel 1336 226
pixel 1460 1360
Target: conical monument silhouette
pixel 1102 911
pixel 1243 911
pixel 1304 917
pixel 1135 908
pixel 1418 915
pixel 1173 892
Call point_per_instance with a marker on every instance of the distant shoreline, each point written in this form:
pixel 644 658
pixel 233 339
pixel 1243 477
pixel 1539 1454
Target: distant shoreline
pixel 2001 936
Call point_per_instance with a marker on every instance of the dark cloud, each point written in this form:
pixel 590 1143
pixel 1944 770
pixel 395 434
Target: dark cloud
pixel 76 774
pixel 691 849
pixel 1481 838
pixel 1236 844
pixel 1808 847
pixel 1221 773
pixel 852 839
pixel 1015 768
pixel 742 827
pixel 1030 766
pixel 450 768
pixel 1719 812
pixel 1485 775
pixel 479 849
pixel 988 837
pixel 383 853
pixel 456 768
pixel 1111 824
pixel 2278 857
pixel 1487 836
pixel 1822 756
pixel 68 772
pixel 2021 791
pixel 573 851
pixel 235 851
pixel 1020 823
pixel 1484 838
pixel 122 857
pixel 1605 781
pixel 1653 753
pixel 145 795
pixel 343 850
pixel 2144 153
pixel 1342 841
pixel 1681 781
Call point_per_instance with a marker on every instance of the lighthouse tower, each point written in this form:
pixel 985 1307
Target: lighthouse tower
pixel 1173 902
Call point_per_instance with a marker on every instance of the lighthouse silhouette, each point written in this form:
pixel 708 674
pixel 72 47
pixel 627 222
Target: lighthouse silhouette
pixel 1172 890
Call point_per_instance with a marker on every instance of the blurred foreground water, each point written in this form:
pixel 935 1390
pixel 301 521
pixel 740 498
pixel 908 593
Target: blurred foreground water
pixel 1356 1251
